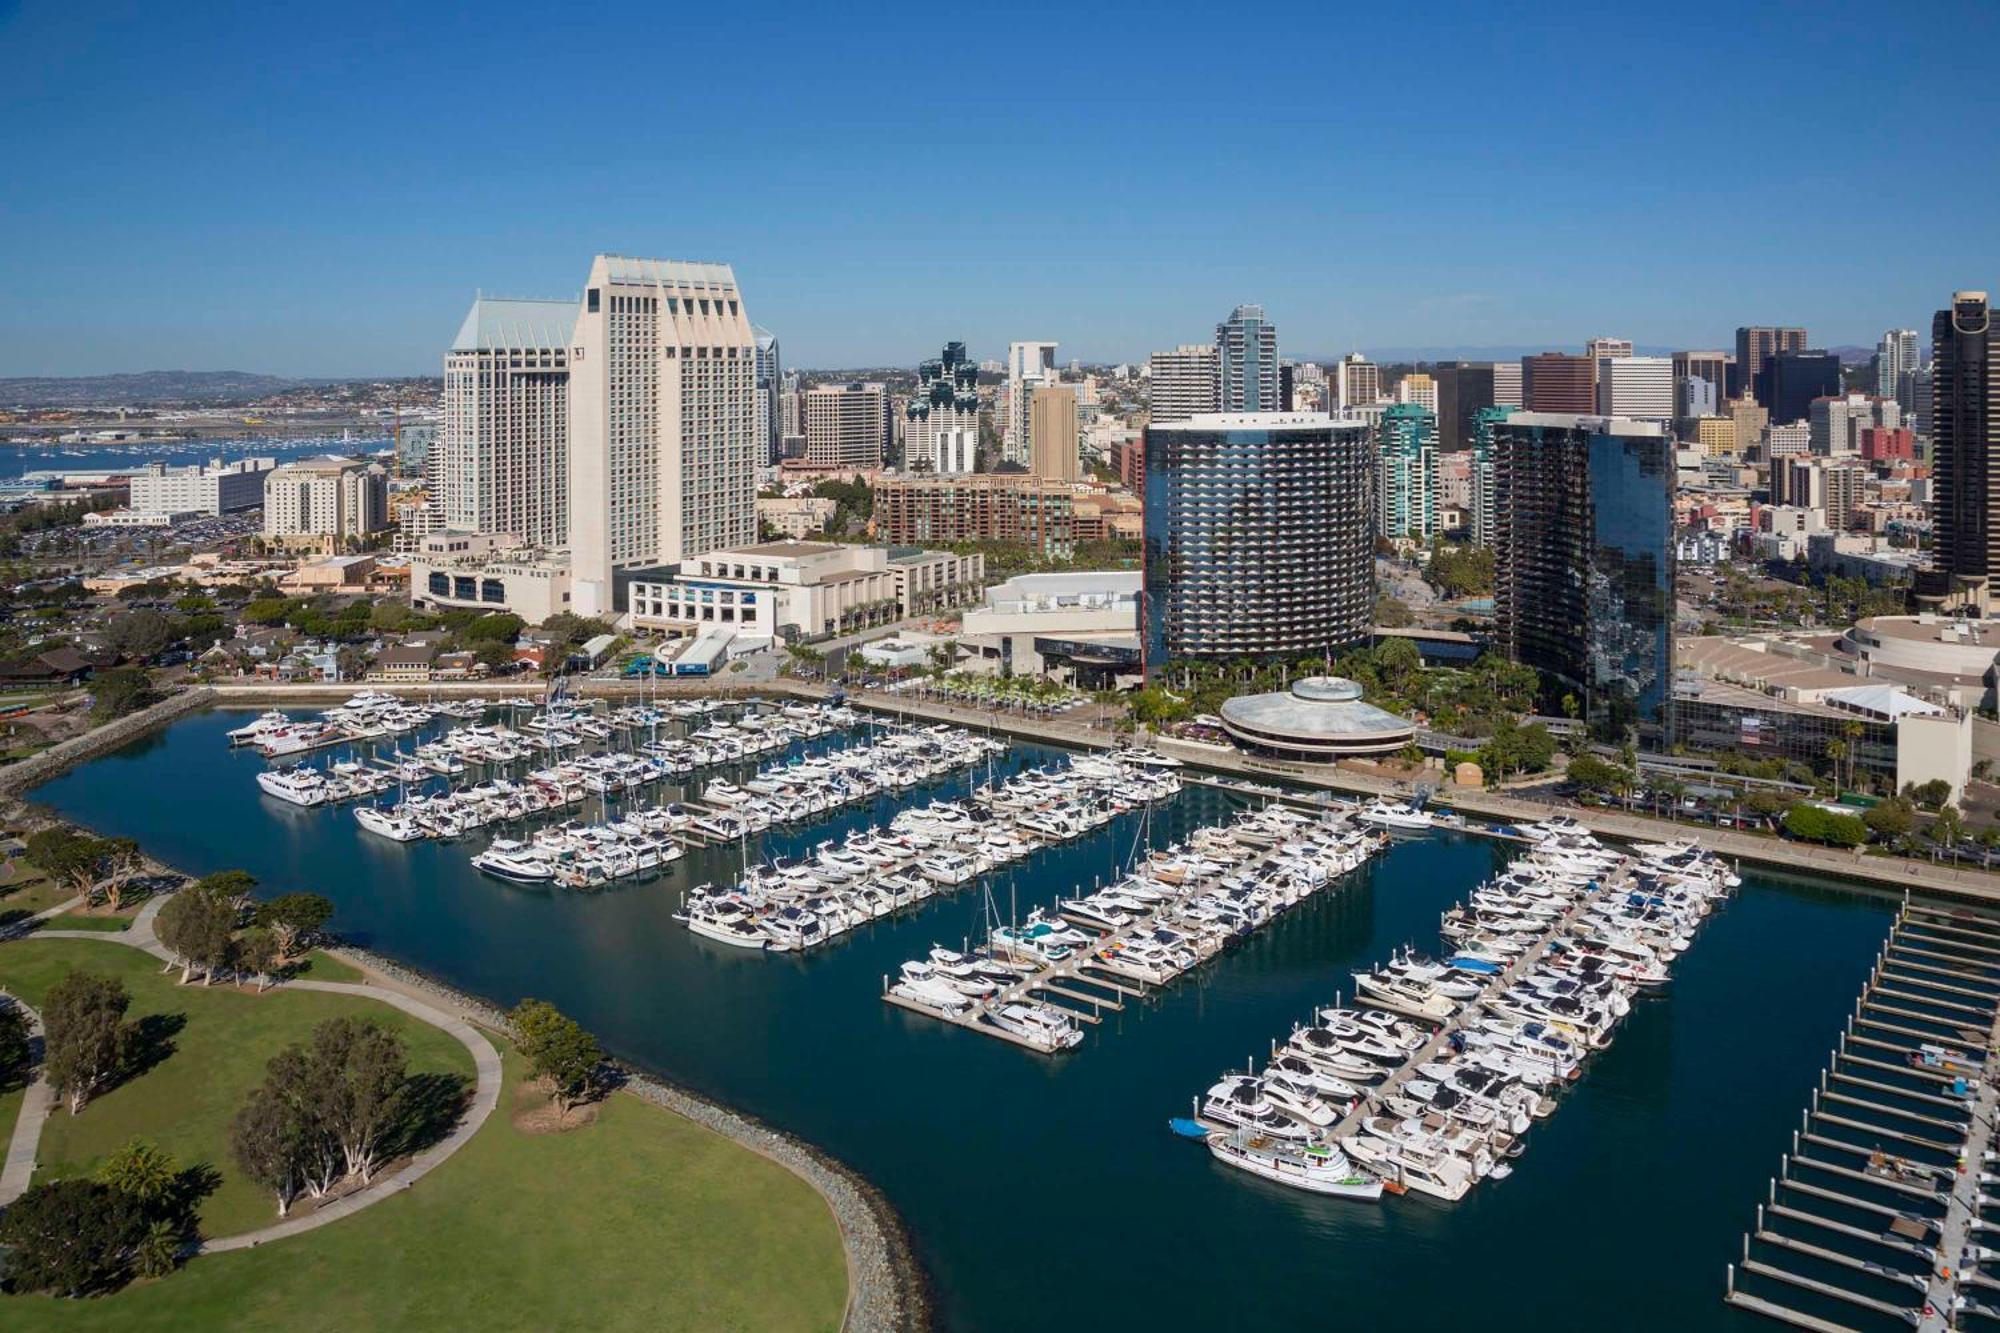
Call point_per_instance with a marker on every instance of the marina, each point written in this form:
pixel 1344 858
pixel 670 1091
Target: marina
pixel 803 1040
pixel 1882 1207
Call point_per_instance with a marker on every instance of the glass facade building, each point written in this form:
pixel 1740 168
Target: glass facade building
pixel 1257 536
pixel 1246 357
pixel 1406 474
pixel 1584 563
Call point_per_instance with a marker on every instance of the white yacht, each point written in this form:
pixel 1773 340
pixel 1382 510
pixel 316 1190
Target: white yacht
pixel 1042 1026
pixel 1319 1168
pixel 300 786
pixel 516 861
pixel 392 824
pixel 1384 813
pixel 726 923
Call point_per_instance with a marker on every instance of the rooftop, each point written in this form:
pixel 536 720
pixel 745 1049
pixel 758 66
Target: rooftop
pixel 1316 707
pixel 494 324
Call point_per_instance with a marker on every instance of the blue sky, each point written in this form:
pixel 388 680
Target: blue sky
pixel 320 189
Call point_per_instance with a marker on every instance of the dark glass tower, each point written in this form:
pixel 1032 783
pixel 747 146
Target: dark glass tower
pixel 1788 382
pixel 1965 445
pixel 1257 537
pixel 1584 563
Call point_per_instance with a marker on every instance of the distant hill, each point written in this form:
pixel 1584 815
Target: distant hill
pixel 145 389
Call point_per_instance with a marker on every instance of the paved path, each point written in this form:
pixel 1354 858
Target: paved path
pixel 486 1092
pixel 36 1102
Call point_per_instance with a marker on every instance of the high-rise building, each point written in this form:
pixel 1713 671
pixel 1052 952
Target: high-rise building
pixel 1357 382
pixel 1420 389
pixel 1406 474
pixel 1507 384
pixel 1923 399
pixel 1598 349
pixel 1694 398
pixel 1558 382
pixel 1965 446
pixel 1836 422
pixel 1751 420
pixel 844 424
pixel 1246 361
pixel 502 459
pixel 1464 388
pixel 327 499
pixel 1710 366
pixel 1485 497
pixel 941 420
pixel 1641 387
pixel 664 435
pixel 1716 436
pixel 1788 382
pixel 1755 343
pixel 1897 354
pixel 770 385
pixel 1182 383
pixel 1256 537
pixel 1052 435
pixel 1584 562
pixel 1029 365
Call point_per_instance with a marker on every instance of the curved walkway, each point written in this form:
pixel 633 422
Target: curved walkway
pixel 486 1092
pixel 37 1100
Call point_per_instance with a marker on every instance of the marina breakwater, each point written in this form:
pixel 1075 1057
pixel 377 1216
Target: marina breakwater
pixel 64 755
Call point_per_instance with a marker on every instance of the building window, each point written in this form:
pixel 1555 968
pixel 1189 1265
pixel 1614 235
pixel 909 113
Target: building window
pixel 440 585
pixel 593 300
pixel 492 590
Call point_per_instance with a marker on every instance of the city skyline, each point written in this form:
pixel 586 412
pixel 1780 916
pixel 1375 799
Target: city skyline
pixel 339 217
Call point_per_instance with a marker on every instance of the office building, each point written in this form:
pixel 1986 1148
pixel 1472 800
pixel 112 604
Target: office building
pixel 1463 390
pixel 1257 537
pixel 1923 399
pixel 1484 495
pixel 846 425
pixel 415 446
pixel 1786 438
pixel 664 435
pixel 1753 346
pixel 1694 398
pixel 1836 423
pixel 487 572
pixel 1052 435
pixel 1716 437
pixel 1246 361
pixel 1507 384
pixel 1598 349
pixel 1357 381
pixel 1181 383
pixel 1789 381
pixel 1029 366
pixel 1559 382
pixel 502 460
pixel 1751 421
pixel 326 502
pixel 213 488
pixel 1584 562
pixel 770 388
pixel 1710 366
pixel 1831 485
pixel 1640 387
pixel 1419 389
pixel 1888 444
pixel 1965 447
pixel 1004 507
pixel 1898 354
pixel 1406 475
pixel 941 420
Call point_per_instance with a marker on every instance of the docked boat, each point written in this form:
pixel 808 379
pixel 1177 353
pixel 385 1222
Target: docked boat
pixel 1319 1168
pixel 300 786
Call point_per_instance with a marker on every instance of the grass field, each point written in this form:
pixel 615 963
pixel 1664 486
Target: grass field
pixel 641 1221
pixel 216 1056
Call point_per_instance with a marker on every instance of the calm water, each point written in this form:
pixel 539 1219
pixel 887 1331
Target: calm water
pixel 19 460
pixel 1045 1192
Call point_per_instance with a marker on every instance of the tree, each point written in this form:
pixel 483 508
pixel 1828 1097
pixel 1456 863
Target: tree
pixel 119 691
pixel 1930 795
pixel 358 1076
pixel 144 1173
pixel 70 1237
pixel 294 919
pixel 273 1141
pixel 15 1040
pixel 140 635
pixel 197 924
pixel 258 954
pixel 234 886
pixel 562 1053
pixel 1592 774
pixel 1890 819
pixel 500 627
pixel 84 1034
pixel 1814 824
pixel 75 859
pixel 1948 827
pixel 1393 612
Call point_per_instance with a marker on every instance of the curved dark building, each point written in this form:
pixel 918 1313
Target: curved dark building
pixel 1965 450
pixel 1257 536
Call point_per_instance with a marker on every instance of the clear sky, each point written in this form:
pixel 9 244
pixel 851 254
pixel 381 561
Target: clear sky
pixel 321 189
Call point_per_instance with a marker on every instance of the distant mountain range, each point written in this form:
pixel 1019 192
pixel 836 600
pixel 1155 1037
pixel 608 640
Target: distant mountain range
pixel 145 389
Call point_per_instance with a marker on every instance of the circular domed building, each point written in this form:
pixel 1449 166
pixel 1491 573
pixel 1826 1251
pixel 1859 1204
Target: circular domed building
pixel 1321 719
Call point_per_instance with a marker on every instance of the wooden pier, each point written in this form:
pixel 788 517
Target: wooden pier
pixel 1899 1128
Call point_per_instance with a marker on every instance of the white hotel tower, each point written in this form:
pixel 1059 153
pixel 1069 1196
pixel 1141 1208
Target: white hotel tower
pixel 663 427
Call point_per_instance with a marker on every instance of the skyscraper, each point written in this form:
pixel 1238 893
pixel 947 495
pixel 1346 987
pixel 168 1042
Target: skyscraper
pixel 1753 345
pixel 1837 420
pixel 502 459
pixel 1558 382
pixel 770 382
pixel 1029 365
pixel 1641 387
pixel 1584 562
pixel 1710 366
pixel 1484 471
pixel 1788 382
pixel 1406 478
pixel 1182 383
pixel 1896 355
pixel 1257 537
pixel 1419 388
pixel 941 420
pixel 1052 433
pixel 1357 382
pixel 1965 446
pixel 1507 384
pixel 1246 361
pixel 1463 389
pixel 1597 349
pixel 844 425
pixel 663 422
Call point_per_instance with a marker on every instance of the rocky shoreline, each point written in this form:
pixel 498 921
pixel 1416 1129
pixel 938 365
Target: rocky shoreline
pixel 888 1291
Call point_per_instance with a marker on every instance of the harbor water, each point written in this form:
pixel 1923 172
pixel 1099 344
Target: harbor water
pixel 1045 1192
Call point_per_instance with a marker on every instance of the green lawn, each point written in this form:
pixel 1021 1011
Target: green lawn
pixel 88 921
pixel 319 966
pixel 25 891
pixel 642 1221
pixel 185 1101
